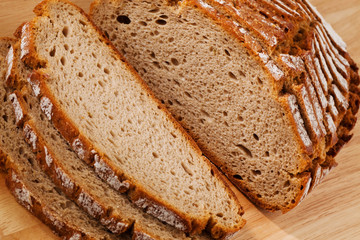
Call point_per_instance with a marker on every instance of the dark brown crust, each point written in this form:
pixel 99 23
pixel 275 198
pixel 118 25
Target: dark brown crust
pixel 75 190
pixel 63 124
pixel 38 208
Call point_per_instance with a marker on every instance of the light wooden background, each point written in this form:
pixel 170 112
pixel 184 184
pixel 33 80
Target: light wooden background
pixel 332 211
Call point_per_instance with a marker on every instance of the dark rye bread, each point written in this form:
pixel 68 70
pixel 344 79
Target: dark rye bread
pixel 29 185
pixel 114 123
pixel 73 176
pixel 266 88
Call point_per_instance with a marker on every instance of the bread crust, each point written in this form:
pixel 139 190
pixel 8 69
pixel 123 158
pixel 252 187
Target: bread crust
pixel 36 206
pixel 90 154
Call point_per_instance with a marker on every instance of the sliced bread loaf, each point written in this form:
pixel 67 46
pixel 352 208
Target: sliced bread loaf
pixel 266 88
pixel 30 186
pixel 73 176
pixel 114 123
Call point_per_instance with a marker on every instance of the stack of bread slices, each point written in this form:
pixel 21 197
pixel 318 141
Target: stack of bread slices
pixel 265 88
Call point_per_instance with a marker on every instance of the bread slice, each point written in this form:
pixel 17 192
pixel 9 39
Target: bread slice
pixel 73 176
pixel 113 122
pixel 266 88
pixel 30 186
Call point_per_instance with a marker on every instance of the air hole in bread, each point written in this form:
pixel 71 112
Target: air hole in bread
pixel 187 169
pixel 212 172
pixel 240 118
pixel 174 61
pixel 101 83
pixel 160 22
pixel 133 34
pixel 275 151
pixel 244 149
pixel 21 150
pixel 170 102
pixel 256 137
pixel 142 23
pixel 36 181
pixel 267 154
pixel 66 47
pixel 155 10
pixel 65 31
pixel 90 115
pixel 219 215
pixel 52 52
pixel 30 161
pixel 287 184
pixel 226 124
pixel 225 113
pixel 238 177
pixel 256 172
pixel 63 61
pixel 241 73
pixel 155 155
pixel 107 71
pixel 157 64
pixel 123 19
pixel 227 52
pixel 232 75
pixel 259 195
pixel 82 22
pixel 302 187
pixel 112 142
pixel 188 94
pixel 152 54
pixel 53 137
pixel 164 16
pixel 171 39
pixel 205 113
pixel 80 74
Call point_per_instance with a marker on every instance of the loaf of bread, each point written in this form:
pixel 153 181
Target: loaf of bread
pixel 74 177
pixel 115 124
pixel 29 185
pixel 266 88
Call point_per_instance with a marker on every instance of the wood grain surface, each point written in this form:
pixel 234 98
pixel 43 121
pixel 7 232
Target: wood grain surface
pixel 331 211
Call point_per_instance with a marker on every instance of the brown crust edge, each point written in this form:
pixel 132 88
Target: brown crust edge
pixel 36 207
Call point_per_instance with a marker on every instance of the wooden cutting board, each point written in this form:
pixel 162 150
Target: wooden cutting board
pixel 332 211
